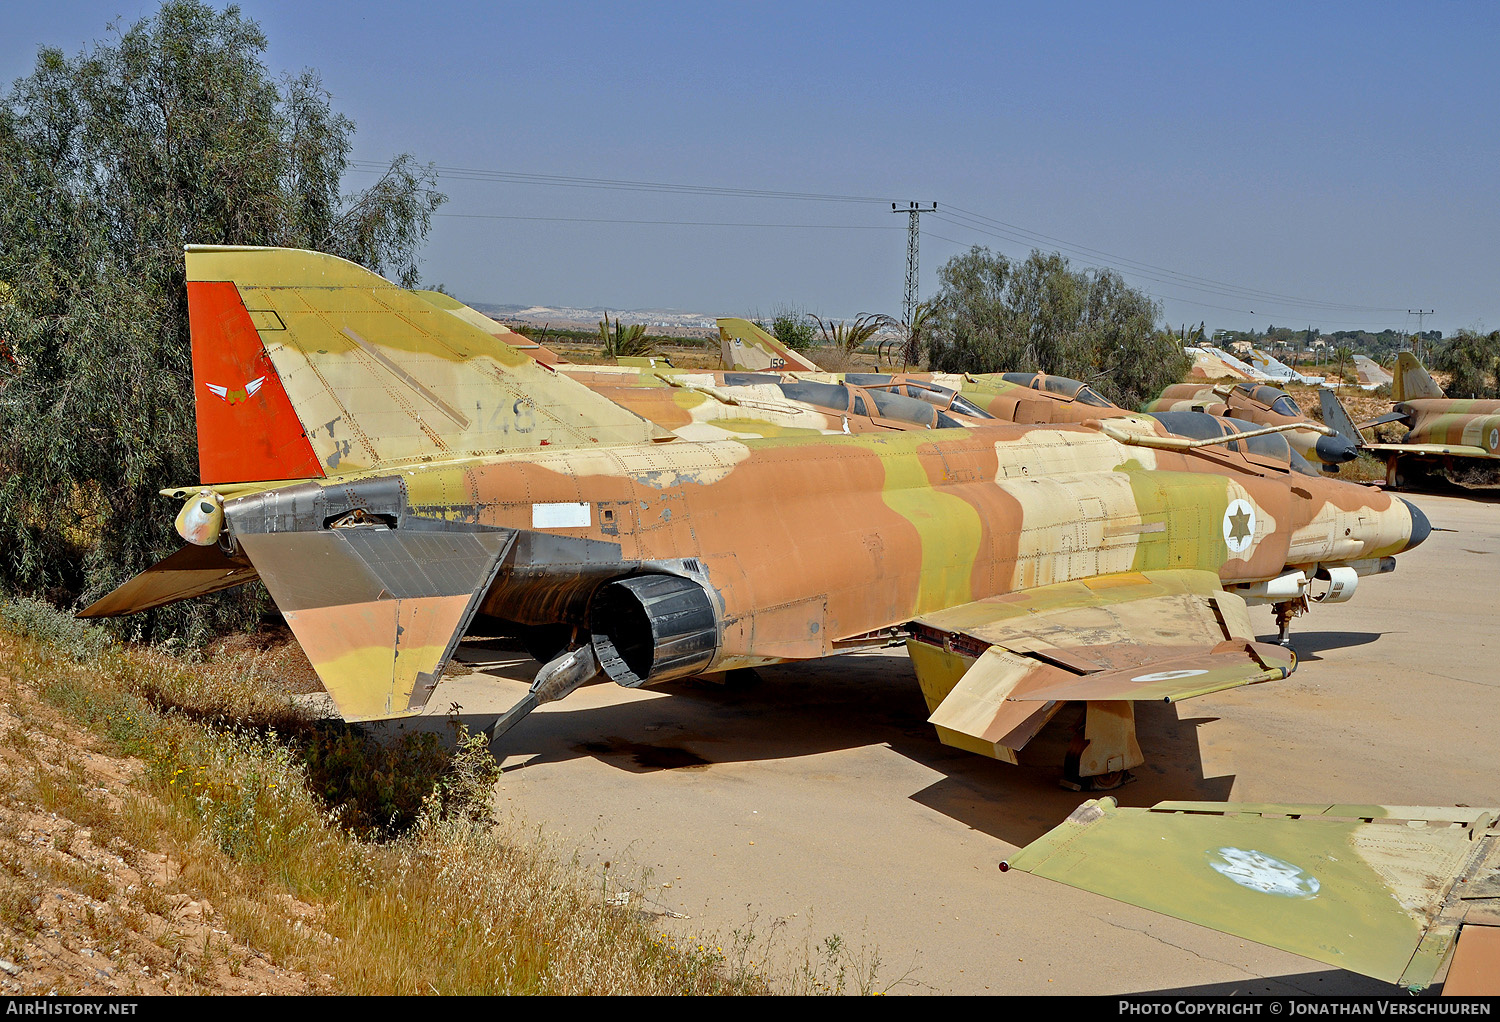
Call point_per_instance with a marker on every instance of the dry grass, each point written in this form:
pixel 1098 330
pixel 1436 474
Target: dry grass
pixel 184 828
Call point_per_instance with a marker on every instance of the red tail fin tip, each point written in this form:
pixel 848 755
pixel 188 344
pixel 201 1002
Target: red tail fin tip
pixel 247 428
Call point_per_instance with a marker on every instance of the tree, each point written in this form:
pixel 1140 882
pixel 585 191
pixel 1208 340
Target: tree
pixel 910 338
pixel 173 132
pixel 793 327
pixel 624 340
pixel 1342 355
pixel 995 315
pixel 849 337
pixel 1472 360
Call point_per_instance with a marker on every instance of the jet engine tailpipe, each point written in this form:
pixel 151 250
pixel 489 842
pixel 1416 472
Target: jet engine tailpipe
pixel 651 628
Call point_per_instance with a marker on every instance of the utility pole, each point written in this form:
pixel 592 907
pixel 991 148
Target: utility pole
pixel 1419 313
pixel 913 233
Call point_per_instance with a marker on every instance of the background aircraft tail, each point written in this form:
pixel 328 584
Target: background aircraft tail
pixel 745 346
pixel 307 365
pixel 1412 380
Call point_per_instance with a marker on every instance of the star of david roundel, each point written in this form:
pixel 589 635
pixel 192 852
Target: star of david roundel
pixel 1239 525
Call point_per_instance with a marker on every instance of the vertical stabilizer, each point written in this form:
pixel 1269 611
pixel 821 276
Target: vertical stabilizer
pixel 1412 380
pixel 308 365
pixel 746 347
pixel 1336 417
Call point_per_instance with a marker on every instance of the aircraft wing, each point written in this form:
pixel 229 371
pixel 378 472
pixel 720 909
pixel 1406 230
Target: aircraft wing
pixel 1379 890
pixel 1153 635
pixel 1142 635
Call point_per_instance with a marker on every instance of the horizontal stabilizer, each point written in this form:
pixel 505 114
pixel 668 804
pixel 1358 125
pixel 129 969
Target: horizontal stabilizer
pixel 191 571
pixel 1378 890
pixel 378 611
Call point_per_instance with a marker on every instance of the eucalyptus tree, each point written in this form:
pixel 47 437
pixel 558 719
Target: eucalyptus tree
pixel 992 314
pixel 172 132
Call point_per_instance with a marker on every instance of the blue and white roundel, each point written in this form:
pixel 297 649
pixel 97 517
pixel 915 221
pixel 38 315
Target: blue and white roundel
pixel 1258 871
pixel 1239 525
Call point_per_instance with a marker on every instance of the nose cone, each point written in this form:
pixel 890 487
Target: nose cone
pixel 1420 526
pixel 1335 450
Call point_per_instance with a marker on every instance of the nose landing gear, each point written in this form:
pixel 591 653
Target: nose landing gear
pixel 1284 613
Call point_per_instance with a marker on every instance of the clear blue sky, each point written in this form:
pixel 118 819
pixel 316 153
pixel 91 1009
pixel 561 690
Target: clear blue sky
pixel 1340 154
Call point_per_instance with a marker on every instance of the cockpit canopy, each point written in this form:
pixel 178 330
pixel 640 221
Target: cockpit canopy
pixel 1269 447
pixel 1062 386
pixel 836 397
pixel 943 398
pixel 1272 397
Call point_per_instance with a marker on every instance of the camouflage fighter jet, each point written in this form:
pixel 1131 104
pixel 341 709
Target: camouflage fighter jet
pixel 398 471
pixel 706 405
pixel 1384 891
pixel 1439 430
pixel 1013 397
pixel 1266 406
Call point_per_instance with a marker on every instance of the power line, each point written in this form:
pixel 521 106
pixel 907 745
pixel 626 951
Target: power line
pixel 986 225
pixel 671 223
pixel 966 219
pixel 1169 297
pixel 564 181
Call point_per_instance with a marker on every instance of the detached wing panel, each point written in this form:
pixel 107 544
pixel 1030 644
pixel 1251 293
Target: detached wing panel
pixel 1159 635
pixel 1378 890
pixel 378 611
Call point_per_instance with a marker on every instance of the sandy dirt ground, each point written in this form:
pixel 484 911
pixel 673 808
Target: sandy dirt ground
pixel 817 801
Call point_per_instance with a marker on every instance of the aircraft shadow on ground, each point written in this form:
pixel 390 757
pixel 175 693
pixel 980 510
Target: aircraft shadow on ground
pixel 1335 983
pixel 1307 645
pixel 848 702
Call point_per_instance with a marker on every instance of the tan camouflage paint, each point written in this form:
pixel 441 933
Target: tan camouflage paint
pixel 805 541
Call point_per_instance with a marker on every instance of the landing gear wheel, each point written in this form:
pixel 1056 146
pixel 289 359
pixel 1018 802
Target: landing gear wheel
pixel 1110 781
pixel 1073 781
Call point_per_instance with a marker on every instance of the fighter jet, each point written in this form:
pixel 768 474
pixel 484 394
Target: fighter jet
pixel 1384 891
pixel 1439 430
pixel 399 472
pixel 1013 397
pixel 1277 370
pixel 1266 406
